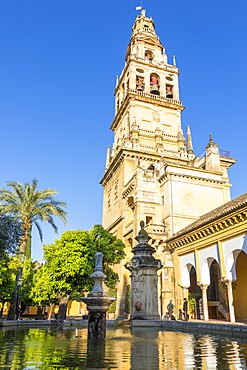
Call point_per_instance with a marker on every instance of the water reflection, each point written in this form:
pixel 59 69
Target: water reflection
pixel 138 348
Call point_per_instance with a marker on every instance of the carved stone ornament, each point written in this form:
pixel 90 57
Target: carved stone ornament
pixel 156 116
pixel 143 267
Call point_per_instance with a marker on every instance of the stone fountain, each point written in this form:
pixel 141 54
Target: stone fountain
pixel 97 302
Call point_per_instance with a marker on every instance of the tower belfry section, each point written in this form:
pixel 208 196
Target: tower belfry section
pixel 152 173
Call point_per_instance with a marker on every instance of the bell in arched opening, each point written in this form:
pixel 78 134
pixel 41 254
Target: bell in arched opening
pixel 139 87
pixel 140 83
pixel 154 84
pixel 169 95
pixel 154 90
pixel 169 92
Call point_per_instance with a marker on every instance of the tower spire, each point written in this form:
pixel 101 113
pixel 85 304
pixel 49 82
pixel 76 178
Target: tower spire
pixel 108 157
pixel 189 141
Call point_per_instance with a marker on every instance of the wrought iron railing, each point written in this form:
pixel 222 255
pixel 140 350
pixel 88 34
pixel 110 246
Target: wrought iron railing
pixel 225 153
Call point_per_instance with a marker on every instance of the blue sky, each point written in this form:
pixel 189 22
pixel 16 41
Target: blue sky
pixel 58 64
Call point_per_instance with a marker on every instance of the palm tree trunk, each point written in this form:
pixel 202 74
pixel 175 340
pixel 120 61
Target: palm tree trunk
pixel 28 245
pixel 26 232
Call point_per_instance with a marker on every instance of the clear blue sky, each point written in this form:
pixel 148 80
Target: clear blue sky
pixel 58 63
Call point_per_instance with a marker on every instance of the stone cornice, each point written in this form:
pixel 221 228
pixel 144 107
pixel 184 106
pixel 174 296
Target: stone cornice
pixel 133 94
pixel 130 188
pixel 152 64
pixel 166 176
pixel 119 219
pixel 118 159
pixel 214 226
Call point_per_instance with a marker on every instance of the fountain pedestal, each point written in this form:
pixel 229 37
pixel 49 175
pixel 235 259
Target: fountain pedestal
pixel 97 302
pixel 144 280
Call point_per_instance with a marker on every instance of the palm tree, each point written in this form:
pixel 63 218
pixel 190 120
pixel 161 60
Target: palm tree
pixel 30 206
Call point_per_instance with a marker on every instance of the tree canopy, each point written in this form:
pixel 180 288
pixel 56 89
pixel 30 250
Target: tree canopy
pixel 10 233
pixel 69 262
pixel 27 204
pixel 8 269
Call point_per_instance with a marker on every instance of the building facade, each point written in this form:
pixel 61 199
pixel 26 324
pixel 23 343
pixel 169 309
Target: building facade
pixel 152 173
pixel 209 259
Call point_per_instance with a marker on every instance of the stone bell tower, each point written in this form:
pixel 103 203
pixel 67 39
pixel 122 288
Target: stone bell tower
pixel 152 173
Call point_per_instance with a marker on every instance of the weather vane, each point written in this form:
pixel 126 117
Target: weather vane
pixel 139 7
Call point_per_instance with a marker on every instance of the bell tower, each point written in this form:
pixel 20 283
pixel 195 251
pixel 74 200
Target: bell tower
pixel 147 105
pixel 152 173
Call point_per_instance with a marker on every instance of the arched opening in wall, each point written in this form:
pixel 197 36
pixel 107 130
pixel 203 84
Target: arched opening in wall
pixel 214 292
pixel 154 84
pixel 129 245
pixel 195 296
pixel 151 167
pixel 169 91
pixel 117 104
pixel 130 205
pixel 130 202
pixel 123 89
pixel 239 287
pixel 140 85
pixel 149 54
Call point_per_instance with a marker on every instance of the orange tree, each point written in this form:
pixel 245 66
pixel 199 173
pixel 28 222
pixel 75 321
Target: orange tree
pixel 69 262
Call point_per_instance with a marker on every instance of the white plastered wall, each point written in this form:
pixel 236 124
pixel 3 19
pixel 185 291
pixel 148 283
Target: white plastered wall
pixel 231 249
pixel 206 257
pixel 186 262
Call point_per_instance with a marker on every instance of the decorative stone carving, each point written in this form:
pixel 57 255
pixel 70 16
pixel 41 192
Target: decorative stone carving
pixel 143 267
pixel 156 116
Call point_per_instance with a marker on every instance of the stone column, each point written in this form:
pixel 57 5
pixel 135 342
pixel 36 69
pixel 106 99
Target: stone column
pixel 230 300
pixel 185 289
pixel 205 302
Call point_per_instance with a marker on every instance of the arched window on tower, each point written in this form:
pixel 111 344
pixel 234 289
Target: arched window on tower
pixel 123 89
pixel 169 91
pixel 149 55
pixel 154 84
pixel 117 103
pixel 140 85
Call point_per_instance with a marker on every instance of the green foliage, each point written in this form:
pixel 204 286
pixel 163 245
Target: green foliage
pixel 28 205
pixel 10 233
pixel 42 289
pixel 69 261
pixel 192 301
pixel 112 292
pixel 8 270
pixel 28 282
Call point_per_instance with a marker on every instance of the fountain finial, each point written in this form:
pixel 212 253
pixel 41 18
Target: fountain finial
pixel 98 261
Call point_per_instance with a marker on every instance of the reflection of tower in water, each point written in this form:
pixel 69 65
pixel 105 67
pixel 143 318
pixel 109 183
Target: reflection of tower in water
pixel 144 349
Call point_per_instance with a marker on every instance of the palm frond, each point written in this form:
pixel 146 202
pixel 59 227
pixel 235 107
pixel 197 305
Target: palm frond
pixel 39 230
pixel 29 205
